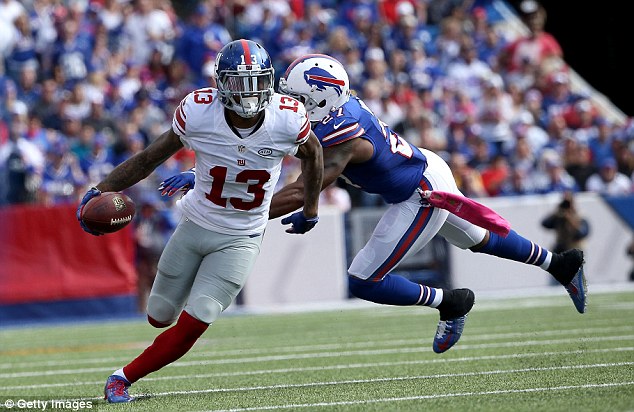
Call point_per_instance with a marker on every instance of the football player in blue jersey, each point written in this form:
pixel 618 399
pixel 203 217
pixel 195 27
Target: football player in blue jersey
pixel 366 152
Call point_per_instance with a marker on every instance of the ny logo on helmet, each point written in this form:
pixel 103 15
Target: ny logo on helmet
pixel 321 79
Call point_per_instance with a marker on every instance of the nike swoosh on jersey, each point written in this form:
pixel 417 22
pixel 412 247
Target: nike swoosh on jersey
pixel 336 126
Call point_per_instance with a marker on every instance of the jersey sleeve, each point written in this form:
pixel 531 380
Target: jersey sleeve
pixel 179 121
pixel 339 130
pixel 303 133
pixel 304 128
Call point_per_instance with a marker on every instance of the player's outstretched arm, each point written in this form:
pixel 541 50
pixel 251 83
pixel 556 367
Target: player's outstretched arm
pixel 139 166
pixel 312 158
pixel 311 154
pixel 291 196
pixel 132 170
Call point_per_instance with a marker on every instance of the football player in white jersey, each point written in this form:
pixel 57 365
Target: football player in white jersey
pixel 239 132
pixel 368 153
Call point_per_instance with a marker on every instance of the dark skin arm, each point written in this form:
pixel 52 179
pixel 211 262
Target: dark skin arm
pixel 311 155
pixel 139 166
pixel 336 158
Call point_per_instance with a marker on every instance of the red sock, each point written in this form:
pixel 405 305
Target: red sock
pixel 166 348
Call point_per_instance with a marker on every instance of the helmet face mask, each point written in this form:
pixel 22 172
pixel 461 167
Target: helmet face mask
pixel 319 82
pixel 244 77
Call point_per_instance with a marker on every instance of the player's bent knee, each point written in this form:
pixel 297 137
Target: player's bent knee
pixel 205 309
pixel 160 311
pixel 156 323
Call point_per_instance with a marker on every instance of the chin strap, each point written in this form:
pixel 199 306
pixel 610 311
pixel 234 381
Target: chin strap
pixel 468 209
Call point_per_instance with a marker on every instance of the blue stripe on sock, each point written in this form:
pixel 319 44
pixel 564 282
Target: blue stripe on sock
pixel 391 290
pixel 515 247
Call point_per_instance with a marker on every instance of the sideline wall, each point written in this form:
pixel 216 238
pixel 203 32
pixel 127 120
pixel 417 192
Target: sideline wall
pixel 51 268
pixel 604 248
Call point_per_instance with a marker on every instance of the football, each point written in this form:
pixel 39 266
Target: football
pixel 109 212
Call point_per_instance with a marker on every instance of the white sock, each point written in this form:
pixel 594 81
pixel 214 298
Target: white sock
pixel 437 299
pixel 546 261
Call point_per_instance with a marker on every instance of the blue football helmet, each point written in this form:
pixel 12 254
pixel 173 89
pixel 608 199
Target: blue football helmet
pixel 244 77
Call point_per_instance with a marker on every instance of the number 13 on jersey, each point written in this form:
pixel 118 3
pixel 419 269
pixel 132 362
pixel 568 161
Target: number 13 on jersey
pixel 256 189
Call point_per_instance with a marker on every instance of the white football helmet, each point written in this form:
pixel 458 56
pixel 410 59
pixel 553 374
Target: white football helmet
pixel 318 81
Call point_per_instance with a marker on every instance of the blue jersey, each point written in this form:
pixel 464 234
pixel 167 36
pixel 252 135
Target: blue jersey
pixel 396 167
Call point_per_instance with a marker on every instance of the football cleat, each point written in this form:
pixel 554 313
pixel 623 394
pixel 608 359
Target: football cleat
pixel 578 289
pixel 116 390
pixel 454 308
pixel 568 270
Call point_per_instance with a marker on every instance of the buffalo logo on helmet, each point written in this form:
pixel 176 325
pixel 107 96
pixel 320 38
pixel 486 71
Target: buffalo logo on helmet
pixel 321 79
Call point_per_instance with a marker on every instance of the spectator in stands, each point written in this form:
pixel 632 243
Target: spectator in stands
pixel 10 10
pixel 557 130
pixel 495 174
pixel 582 116
pixel 578 161
pixel 71 53
pixel 495 113
pixel 202 37
pixel 624 155
pixel 609 181
pixel 533 105
pixel 524 128
pixel 551 175
pixel 99 118
pixel 559 94
pixel 23 53
pixel 99 161
pixel 410 31
pixel 538 47
pixel 468 72
pixel 490 46
pixel 447 44
pixel 522 156
pixel 146 27
pixel 21 162
pixel 62 178
pixel 468 179
pixel 600 143
pixel 518 183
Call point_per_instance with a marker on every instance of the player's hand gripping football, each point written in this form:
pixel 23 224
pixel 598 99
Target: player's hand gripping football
pixel 300 224
pixel 173 184
pixel 93 192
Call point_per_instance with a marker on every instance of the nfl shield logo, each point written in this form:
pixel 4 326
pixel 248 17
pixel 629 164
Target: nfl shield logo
pixel 242 148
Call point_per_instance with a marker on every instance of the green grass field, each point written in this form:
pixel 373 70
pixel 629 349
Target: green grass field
pixel 524 354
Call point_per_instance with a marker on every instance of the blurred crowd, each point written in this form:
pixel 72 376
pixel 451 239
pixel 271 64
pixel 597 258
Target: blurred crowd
pixel 85 84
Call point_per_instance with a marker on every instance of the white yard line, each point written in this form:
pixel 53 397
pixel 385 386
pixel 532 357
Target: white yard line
pixel 342 366
pixel 316 355
pixel 424 397
pixel 332 346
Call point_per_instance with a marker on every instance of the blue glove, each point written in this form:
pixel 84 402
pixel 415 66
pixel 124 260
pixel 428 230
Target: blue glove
pixel 173 184
pixel 93 192
pixel 300 223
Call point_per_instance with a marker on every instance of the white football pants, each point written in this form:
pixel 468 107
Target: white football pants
pixel 407 227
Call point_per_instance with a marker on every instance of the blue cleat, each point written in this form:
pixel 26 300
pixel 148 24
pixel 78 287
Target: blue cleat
pixel 448 333
pixel 567 268
pixel 454 308
pixel 578 289
pixel 116 390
